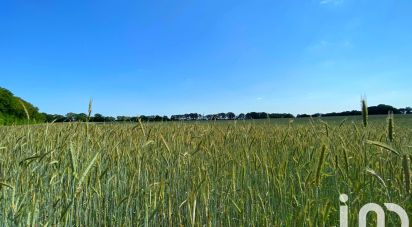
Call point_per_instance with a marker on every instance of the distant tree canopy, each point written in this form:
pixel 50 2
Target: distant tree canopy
pixel 73 117
pixel 382 109
pixel 372 110
pixel 12 109
pixel 81 117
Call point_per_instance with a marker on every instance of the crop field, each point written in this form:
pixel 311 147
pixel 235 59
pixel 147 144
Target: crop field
pixel 216 173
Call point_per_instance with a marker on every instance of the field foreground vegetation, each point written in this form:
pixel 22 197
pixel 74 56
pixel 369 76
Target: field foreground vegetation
pixel 229 173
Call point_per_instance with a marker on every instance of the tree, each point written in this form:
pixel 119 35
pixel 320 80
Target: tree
pixel 97 118
pixel 14 110
pixel 109 119
pixel 194 116
pixel 71 117
pixel 230 115
pixel 81 117
pixel 256 115
pixel 382 109
pixel 221 116
pixel 406 110
pixel 281 115
pixel 54 117
pixel 123 118
pixel 241 116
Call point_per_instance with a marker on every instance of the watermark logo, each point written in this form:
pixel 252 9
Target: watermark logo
pixel 372 207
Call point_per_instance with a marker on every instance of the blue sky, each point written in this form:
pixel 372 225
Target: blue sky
pixel 172 57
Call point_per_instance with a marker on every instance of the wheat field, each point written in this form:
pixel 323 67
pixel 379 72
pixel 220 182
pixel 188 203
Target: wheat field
pixel 222 173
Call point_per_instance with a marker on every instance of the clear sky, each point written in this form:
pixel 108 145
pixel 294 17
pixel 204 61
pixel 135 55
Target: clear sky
pixel 173 57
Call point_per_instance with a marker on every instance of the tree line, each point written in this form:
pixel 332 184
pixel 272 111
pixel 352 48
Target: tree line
pixel 14 110
pixel 372 110
pixel 82 117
